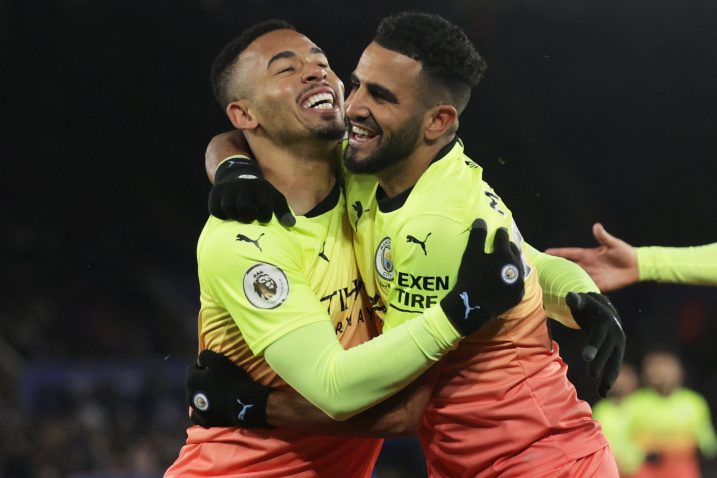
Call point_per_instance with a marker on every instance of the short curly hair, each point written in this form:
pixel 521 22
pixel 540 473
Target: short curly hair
pixel 224 64
pixel 451 64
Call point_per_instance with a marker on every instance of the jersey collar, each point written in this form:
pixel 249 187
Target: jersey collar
pixel 326 204
pixel 386 204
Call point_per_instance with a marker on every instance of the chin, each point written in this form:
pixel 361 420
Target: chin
pixel 333 132
pixel 361 162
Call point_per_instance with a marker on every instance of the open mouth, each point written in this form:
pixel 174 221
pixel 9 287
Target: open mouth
pixel 320 100
pixel 361 134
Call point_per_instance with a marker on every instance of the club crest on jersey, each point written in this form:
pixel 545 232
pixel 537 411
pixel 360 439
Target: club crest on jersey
pixel 266 286
pixel 384 259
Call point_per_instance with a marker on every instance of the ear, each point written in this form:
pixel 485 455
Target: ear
pixel 441 119
pixel 241 116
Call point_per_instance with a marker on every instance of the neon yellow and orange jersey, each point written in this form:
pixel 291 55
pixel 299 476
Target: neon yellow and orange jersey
pixel 244 310
pixel 503 405
pixel 678 424
pixel 614 420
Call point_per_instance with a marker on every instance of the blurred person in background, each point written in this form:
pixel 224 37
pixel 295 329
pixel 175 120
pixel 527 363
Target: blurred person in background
pixel 668 423
pixel 615 264
pixel 613 417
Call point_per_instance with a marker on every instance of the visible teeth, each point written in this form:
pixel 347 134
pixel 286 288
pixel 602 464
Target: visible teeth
pixel 312 101
pixel 358 130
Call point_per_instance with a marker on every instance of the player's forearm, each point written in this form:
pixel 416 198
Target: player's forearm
pixel 682 265
pixel 343 382
pixel 223 146
pixel 557 277
pixel 397 416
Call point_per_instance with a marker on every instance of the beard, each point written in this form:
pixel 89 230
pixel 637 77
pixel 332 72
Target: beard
pixel 333 131
pixel 390 151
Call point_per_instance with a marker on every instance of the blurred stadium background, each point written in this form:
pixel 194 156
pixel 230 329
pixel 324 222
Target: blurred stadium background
pixel 590 111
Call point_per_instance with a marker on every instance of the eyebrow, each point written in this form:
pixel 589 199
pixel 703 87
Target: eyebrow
pixel 375 89
pixel 290 54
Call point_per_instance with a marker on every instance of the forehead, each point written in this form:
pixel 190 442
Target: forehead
pixel 277 41
pixel 388 68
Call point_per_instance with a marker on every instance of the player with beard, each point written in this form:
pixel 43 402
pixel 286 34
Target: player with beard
pixel 407 92
pixel 502 404
pixel 265 290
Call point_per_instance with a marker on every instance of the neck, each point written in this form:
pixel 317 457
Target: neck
pixel 304 173
pixel 405 174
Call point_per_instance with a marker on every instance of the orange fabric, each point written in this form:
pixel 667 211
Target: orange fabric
pixel 503 406
pixel 229 452
pixel 221 452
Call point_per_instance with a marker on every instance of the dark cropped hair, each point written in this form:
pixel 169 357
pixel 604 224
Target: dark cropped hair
pixel 223 65
pixel 449 60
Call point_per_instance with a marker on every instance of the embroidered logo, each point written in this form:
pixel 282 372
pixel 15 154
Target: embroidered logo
pixel 384 259
pixel 266 286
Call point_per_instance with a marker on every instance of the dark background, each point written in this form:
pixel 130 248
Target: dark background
pixel 590 111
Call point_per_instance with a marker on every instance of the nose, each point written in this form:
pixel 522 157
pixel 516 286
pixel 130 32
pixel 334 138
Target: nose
pixel 356 104
pixel 313 72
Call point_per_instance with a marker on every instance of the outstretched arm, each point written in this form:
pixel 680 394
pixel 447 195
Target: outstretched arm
pixel 612 265
pixel 680 265
pixel 616 264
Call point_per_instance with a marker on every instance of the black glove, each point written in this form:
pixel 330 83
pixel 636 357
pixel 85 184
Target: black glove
pixel 487 284
pixel 222 394
pixel 653 458
pixel 605 346
pixel 241 193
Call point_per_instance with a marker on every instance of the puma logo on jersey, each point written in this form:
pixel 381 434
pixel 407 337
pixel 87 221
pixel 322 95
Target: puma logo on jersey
pixel 374 303
pixel 243 238
pixel 244 409
pixel 494 201
pixel 410 238
pixel 467 305
pixel 358 207
pixel 321 254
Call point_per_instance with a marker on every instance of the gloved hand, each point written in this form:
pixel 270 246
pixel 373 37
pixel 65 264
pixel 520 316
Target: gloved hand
pixel 605 346
pixel 487 284
pixel 221 394
pixel 241 193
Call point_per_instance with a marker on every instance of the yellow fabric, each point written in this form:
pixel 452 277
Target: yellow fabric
pixel 409 257
pixel 557 277
pixel 675 424
pixel 263 284
pixel 614 421
pixel 683 265
pixel 344 382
